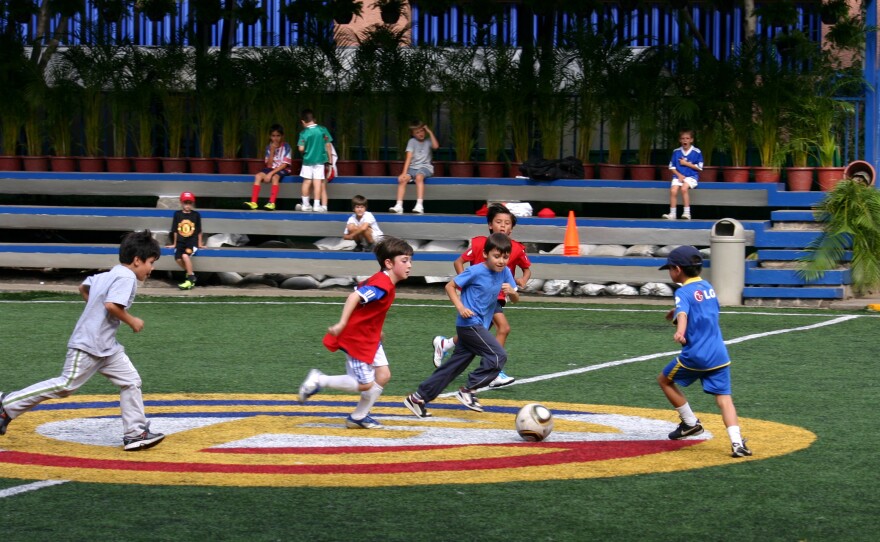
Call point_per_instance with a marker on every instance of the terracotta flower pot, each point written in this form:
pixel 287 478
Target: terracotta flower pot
pixel 374 168
pixel 116 164
pixel 708 175
pixel 642 172
pixel 229 166
pixel 65 164
pixel 252 166
pixel 174 165
pixel 612 171
pixel 439 169
pixel 490 169
pixel 767 174
pixel 346 168
pixel 10 163
pixel 91 164
pixel 735 174
pixel 146 165
pixel 35 163
pixel 799 179
pixel 828 177
pixel 461 169
pixel 202 165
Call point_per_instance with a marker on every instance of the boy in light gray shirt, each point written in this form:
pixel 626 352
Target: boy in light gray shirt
pixel 417 166
pixel 93 346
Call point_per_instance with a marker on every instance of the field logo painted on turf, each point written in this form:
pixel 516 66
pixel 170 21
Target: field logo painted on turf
pixel 270 440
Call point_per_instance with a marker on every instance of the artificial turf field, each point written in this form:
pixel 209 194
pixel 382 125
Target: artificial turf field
pixel 811 369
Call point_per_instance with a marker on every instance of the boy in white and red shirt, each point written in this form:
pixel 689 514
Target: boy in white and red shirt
pixel 500 220
pixel 277 159
pixel 359 333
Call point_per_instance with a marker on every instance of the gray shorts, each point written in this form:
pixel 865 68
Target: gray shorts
pixel 412 172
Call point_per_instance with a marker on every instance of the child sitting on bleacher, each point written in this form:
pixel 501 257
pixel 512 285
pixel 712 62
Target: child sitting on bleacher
pixel 186 237
pixel 362 227
pixel 417 166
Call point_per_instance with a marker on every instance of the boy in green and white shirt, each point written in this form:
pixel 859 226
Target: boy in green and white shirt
pixel 315 145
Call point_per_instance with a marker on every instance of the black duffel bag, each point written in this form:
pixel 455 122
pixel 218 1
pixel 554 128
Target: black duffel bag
pixel 541 169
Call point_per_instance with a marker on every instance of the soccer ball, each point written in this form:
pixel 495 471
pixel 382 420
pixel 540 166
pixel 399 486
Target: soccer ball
pixel 534 422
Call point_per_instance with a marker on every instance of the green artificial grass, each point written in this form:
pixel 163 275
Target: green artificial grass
pixel 824 380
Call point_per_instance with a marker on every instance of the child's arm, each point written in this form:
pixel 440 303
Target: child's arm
pixel 452 292
pixel 201 243
pixel 173 241
pixel 510 292
pixel 351 303
pixel 328 148
pixel 118 311
pixel 458 264
pixel 434 143
pixel 84 291
pixel 681 324
pixel 526 275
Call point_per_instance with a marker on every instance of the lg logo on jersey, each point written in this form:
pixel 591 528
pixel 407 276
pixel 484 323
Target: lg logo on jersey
pixel 700 295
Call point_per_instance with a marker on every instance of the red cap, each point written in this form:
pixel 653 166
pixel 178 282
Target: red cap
pixel 187 196
pixel 483 211
pixel 546 212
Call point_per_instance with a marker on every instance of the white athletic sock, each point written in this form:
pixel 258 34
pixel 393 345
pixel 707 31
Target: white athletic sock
pixel 419 202
pixel 338 382
pixel 447 345
pixel 305 201
pixel 734 434
pixel 687 415
pixel 368 399
pixel 672 210
pixel 687 210
pixel 399 203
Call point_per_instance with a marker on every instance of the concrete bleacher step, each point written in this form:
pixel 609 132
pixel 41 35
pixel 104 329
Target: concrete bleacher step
pixel 794 292
pixel 791 277
pixel 789 255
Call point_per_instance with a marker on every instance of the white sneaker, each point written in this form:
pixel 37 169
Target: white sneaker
pixel 686 216
pixel 670 216
pixel 397 209
pixel 438 350
pixel 502 380
pixel 320 209
pixel 301 207
pixel 418 209
pixel 310 385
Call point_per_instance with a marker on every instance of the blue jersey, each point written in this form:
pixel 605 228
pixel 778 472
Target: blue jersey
pixel 694 156
pixel 705 348
pixel 480 287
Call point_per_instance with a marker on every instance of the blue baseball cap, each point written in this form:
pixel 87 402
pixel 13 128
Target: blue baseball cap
pixel 683 256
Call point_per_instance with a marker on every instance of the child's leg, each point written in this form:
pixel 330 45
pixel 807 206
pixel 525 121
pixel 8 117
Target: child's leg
pixel 369 396
pixel 481 342
pixel 78 368
pixel 306 190
pixel 181 263
pixel 677 399
pixel 685 196
pixel 121 372
pixel 319 183
pixel 673 197
pixel 259 179
pixel 187 264
pixel 401 189
pixel 502 327
pixel 446 373
pixel 273 195
pixel 325 199
pixel 420 188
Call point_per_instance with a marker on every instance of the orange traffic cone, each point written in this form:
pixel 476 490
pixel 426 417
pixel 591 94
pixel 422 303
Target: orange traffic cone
pixel 572 245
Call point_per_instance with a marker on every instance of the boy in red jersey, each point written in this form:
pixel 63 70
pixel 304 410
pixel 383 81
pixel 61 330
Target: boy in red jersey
pixel 500 220
pixel 359 332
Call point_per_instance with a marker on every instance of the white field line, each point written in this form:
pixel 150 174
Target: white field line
pixel 16 490
pixel 669 353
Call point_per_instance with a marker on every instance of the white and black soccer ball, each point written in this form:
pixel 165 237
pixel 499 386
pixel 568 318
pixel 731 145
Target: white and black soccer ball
pixel 534 422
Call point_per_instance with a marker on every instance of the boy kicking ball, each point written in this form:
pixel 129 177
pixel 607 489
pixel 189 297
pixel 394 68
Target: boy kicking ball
pixel 359 333
pixel 703 355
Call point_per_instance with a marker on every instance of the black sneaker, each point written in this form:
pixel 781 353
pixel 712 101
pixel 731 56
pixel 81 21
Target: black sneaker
pixel 469 399
pixel 142 442
pixel 4 417
pixel 358 248
pixel 684 430
pixel 416 405
pixel 740 450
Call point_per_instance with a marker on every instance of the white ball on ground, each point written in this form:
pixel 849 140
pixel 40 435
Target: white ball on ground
pixel 534 422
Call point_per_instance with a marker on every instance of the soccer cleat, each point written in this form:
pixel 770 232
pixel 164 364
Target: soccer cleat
pixel 364 423
pixel 439 353
pixel 684 430
pixel 468 399
pixel 416 406
pixel 4 417
pixel 186 285
pixel 252 205
pixel 686 216
pixel 358 248
pixel 269 206
pixel 396 209
pixel 320 209
pixel 670 216
pixel 142 442
pixel 310 385
pixel 419 210
pixel 737 449
pixel 301 207
pixel 502 380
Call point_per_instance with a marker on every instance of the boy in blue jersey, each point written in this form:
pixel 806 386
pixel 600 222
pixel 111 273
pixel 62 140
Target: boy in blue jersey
pixel 480 286
pixel 703 355
pixel 686 165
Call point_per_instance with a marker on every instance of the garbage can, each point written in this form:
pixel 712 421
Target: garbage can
pixel 728 260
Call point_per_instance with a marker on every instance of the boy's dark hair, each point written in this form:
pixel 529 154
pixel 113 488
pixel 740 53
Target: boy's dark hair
pixel 276 128
pixel 415 124
pixel 498 209
pixel 692 270
pixel 391 247
pixel 686 131
pixel 358 200
pixel 307 115
pixel 138 244
pixel 498 241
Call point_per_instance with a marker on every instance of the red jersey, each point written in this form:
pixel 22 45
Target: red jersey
pixel 361 336
pixel 518 257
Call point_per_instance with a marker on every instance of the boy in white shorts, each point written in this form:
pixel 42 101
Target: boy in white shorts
pixel 686 165
pixel 359 334
pixel 315 145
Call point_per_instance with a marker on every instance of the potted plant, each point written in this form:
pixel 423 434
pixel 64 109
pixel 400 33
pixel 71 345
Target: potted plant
pixel 250 12
pixel 617 105
pixel 739 116
pixel 61 109
pixel 850 216
pixel 648 105
pixel 497 80
pixel 35 158
pixel 459 81
pixel 13 70
pixel 156 10
pixel 344 11
pixel 390 10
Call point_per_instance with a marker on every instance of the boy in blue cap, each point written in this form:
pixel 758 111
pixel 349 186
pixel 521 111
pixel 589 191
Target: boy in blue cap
pixel 703 355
